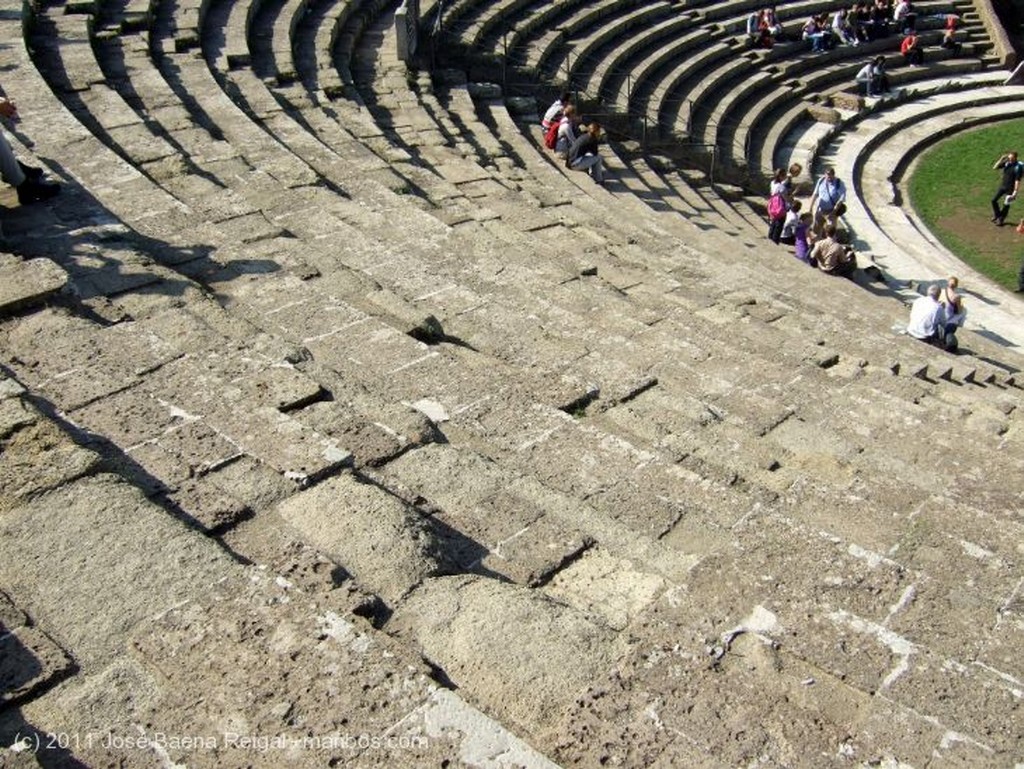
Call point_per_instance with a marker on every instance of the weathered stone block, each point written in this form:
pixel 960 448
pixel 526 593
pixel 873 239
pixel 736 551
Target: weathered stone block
pixel 382 542
pixel 27 283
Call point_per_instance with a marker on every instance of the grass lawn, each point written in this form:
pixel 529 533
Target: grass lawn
pixel 951 189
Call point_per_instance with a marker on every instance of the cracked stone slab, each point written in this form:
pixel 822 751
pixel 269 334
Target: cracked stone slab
pixel 114 549
pixel 462 624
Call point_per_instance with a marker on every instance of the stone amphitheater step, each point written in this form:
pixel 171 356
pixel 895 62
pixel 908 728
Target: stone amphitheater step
pixel 546 21
pixel 490 28
pixel 806 146
pixel 634 90
pixel 181 597
pixel 621 626
pixel 542 35
pixel 874 658
pixel 673 189
pixel 387 89
pixel 891 138
pixel 780 111
pixel 27 283
pixel 579 53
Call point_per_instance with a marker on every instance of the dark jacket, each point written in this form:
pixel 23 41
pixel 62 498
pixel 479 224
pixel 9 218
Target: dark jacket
pixel 585 144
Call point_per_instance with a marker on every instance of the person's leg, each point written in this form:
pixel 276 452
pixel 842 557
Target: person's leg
pixel 589 163
pixel 10 170
pixel 997 203
pixel 1020 277
pixel 818 223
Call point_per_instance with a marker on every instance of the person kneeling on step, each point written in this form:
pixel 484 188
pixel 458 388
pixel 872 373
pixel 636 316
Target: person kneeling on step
pixel 583 155
pixel 27 180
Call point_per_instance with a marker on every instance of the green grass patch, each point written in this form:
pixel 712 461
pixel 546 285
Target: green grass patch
pixel 951 189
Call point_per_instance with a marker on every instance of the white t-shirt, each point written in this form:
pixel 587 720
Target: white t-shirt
pixel 553 111
pixel 926 316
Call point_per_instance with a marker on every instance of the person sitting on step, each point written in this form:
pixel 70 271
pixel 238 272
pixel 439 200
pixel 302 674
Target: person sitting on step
pixel 833 257
pixel 26 180
pixel 555 111
pixel 953 305
pixel 568 130
pixel 872 77
pixel 802 238
pixel 912 49
pixel 904 16
pixel 843 29
pixel 927 317
pixel 950 43
pixel 583 153
pixel 818 35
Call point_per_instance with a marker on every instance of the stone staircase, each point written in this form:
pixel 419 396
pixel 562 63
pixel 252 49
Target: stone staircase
pixel 354 417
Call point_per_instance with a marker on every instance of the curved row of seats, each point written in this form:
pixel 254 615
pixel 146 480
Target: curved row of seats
pixel 688 69
pixel 561 385
pixel 874 153
pixel 199 150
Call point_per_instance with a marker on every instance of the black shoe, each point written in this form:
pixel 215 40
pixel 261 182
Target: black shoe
pixel 32 191
pixel 31 172
pixel 1000 222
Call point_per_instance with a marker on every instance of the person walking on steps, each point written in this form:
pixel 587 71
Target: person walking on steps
pixel 1009 185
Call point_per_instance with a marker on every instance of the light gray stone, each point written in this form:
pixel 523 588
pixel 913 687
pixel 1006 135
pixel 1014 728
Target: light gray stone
pixel 382 542
pixel 27 283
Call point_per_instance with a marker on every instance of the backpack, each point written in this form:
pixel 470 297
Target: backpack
pixel 776 207
pixel 551 135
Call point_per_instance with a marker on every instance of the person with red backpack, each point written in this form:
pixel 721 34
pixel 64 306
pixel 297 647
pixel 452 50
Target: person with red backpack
pixel 568 131
pixel 555 111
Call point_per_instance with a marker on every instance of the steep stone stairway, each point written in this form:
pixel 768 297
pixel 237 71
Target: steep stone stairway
pixel 359 417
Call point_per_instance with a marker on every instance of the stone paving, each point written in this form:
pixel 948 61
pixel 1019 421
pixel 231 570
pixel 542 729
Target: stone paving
pixel 352 433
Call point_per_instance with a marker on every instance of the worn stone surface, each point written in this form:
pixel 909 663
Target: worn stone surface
pixel 27 283
pixel 38 458
pixel 484 631
pixel 361 421
pixel 368 532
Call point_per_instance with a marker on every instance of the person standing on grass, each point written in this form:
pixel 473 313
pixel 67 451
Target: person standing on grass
pixel 1009 185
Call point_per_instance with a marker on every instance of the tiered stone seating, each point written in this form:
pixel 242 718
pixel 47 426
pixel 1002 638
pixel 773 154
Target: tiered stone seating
pixel 889 140
pixel 498 459
pixel 708 95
